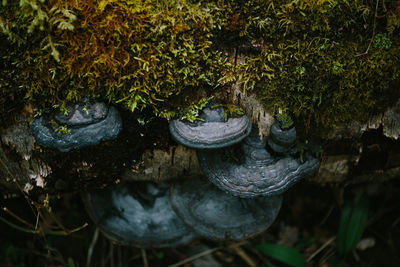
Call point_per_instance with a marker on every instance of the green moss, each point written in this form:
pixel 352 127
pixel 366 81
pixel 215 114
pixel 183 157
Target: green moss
pixel 327 62
pixel 324 61
pixel 192 113
pixel 230 110
pixel 139 53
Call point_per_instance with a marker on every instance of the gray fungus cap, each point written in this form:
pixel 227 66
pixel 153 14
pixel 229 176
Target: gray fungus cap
pixel 213 132
pixel 137 214
pixel 214 214
pixel 282 140
pixel 255 172
pixel 88 125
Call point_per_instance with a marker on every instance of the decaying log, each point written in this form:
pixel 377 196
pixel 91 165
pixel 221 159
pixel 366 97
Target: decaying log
pixel 157 165
pixel 23 166
pixel 19 170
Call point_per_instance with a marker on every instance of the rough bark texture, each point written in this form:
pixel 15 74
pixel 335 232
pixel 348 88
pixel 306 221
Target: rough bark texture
pixel 18 168
pixel 253 109
pixel 158 165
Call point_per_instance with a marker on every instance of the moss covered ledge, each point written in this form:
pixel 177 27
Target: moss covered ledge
pixel 325 61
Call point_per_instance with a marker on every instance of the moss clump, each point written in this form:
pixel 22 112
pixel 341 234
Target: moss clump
pixel 325 61
pixel 140 53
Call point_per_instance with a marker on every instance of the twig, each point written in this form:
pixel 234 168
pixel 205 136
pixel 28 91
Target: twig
pixel 20 228
pixel 14 179
pixel 144 257
pixel 77 229
pixel 56 219
pixel 22 191
pixel 326 216
pixel 18 218
pixel 91 247
pixel 242 254
pixel 327 255
pixel 355 255
pixel 45 221
pixel 41 231
pixel 199 255
pixel 327 243
pixel 373 30
pixel 32 231
pixel 37 220
pixel 262 257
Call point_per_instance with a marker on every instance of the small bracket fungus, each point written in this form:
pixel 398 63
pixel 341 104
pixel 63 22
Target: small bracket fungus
pixel 282 140
pixel 213 131
pixel 257 172
pixel 214 214
pixel 85 125
pixel 137 214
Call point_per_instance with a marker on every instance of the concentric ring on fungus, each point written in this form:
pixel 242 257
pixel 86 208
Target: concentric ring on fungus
pixel 87 124
pixel 257 173
pixel 211 133
pixel 213 214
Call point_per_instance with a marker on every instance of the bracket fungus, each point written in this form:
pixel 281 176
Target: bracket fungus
pixel 212 132
pixel 86 124
pixel 137 214
pixel 214 214
pixel 282 140
pixel 256 172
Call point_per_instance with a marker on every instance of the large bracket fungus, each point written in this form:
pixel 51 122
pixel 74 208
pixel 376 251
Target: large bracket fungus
pixel 86 124
pixel 212 132
pixel 256 172
pixel 214 214
pixel 137 214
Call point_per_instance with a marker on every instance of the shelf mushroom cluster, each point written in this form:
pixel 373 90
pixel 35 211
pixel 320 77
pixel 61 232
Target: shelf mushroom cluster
pixel 144 214
pixel 252 179
pixel 258 170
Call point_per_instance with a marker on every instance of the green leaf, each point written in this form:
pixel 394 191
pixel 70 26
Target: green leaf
pixel 352 224
pixel 71 262
pixel 304 243
pixel 342 231
pixel 283 254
